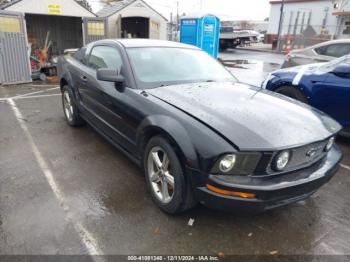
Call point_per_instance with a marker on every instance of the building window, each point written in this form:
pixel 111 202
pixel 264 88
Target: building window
pixel 96 28
pixel 346 30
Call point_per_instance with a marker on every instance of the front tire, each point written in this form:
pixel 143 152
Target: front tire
pixel 165 177
pixel 292 92
pixel 70 109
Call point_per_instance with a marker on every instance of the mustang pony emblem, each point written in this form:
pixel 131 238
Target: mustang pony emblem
pixel 312 152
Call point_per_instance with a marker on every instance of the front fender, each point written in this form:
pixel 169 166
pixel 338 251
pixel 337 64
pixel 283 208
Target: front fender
pixel 66 78
pixel 175 130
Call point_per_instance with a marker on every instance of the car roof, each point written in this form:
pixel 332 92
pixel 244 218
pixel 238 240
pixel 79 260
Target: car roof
pixel 129 43
pixel 331 42
pixel 338 41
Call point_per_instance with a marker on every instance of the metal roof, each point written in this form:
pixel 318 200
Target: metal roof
pixel 114 8
pixel 5 5
pixel 109 10
pixel 13 2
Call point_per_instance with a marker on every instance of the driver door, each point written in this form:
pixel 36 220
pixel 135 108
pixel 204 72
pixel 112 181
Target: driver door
pixel 100 96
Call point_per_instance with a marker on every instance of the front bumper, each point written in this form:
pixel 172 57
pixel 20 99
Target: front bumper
pixel 270 192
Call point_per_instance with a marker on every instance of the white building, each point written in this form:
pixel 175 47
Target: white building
pixel 342 12
pixel 310 20
pixel 134 19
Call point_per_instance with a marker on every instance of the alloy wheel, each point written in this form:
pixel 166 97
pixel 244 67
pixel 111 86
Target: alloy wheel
pixel 68 107
pixel 161 180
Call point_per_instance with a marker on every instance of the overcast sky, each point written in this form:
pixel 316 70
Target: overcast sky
pixel 225 9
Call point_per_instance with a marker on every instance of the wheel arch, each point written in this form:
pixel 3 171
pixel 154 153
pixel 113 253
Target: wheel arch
pixel 304 91
pixel 65 79
pixel 63 82
pixel 280 84
pixel 174 132
pixel 303 87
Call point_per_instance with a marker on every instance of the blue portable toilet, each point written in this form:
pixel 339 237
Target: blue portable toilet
pixel 202 31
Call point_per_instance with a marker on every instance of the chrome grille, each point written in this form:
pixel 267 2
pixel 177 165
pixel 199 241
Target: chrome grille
pixel 304 156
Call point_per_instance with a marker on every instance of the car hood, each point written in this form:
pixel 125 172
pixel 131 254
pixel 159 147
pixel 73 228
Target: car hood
pixel 307 69
pixel 295 74
pixel 249 117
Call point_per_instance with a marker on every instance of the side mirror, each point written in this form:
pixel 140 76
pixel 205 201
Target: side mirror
pixel 109 75
pixel 342 71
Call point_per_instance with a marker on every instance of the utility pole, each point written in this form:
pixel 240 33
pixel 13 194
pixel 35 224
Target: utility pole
pixel 279 40
pixel 177 15
pixel 177 38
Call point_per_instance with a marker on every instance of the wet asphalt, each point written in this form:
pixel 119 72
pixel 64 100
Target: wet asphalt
pixel 66 190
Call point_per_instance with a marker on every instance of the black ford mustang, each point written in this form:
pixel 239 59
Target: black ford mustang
pixel 199 134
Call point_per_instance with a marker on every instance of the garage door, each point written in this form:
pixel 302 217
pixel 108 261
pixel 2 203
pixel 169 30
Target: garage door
pixel 14 55
pixel 94 29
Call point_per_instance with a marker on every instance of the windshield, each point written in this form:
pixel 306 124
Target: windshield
pixel 160 66
pixel 344 60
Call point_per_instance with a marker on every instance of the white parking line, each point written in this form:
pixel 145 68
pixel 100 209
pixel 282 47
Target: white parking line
pixel 29 94
pixel 345 166
pixel 39 96
pixel 86 237
pixel 32 85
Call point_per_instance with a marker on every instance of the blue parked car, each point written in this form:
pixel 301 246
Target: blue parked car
pixel 325 86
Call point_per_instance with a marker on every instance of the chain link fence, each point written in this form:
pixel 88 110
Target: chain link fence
pixel 299 35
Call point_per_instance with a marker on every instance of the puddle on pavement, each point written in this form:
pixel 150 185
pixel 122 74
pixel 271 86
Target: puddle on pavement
pixel 249 64
pixel 237 63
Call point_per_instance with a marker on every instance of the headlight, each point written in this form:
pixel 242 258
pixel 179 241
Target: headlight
pixel 329 144
pixel 227 163
pixel 281 161
pixel 236 164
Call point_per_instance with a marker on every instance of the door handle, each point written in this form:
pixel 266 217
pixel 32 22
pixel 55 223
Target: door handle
pixel 84 78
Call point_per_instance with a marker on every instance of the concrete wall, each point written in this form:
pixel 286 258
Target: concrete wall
pixel 317 9
pixel 138 8
pixel 67 7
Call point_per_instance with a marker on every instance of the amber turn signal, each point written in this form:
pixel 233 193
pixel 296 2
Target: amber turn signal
pixel 230 193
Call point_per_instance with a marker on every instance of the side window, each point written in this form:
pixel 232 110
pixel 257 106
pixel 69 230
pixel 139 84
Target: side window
pixel 105 57
pixel 336 50
pixel 321 50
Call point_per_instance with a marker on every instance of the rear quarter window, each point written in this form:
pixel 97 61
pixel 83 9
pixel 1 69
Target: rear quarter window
pixel 335 50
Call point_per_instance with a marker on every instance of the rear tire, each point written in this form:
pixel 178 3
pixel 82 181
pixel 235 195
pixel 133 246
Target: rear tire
pixel 292 92
pixel 71 111
pixel 165 177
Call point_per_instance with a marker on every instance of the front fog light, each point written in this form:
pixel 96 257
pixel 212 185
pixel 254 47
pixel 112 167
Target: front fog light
pixel 282 160
pixel 330 144
pixel 227 163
